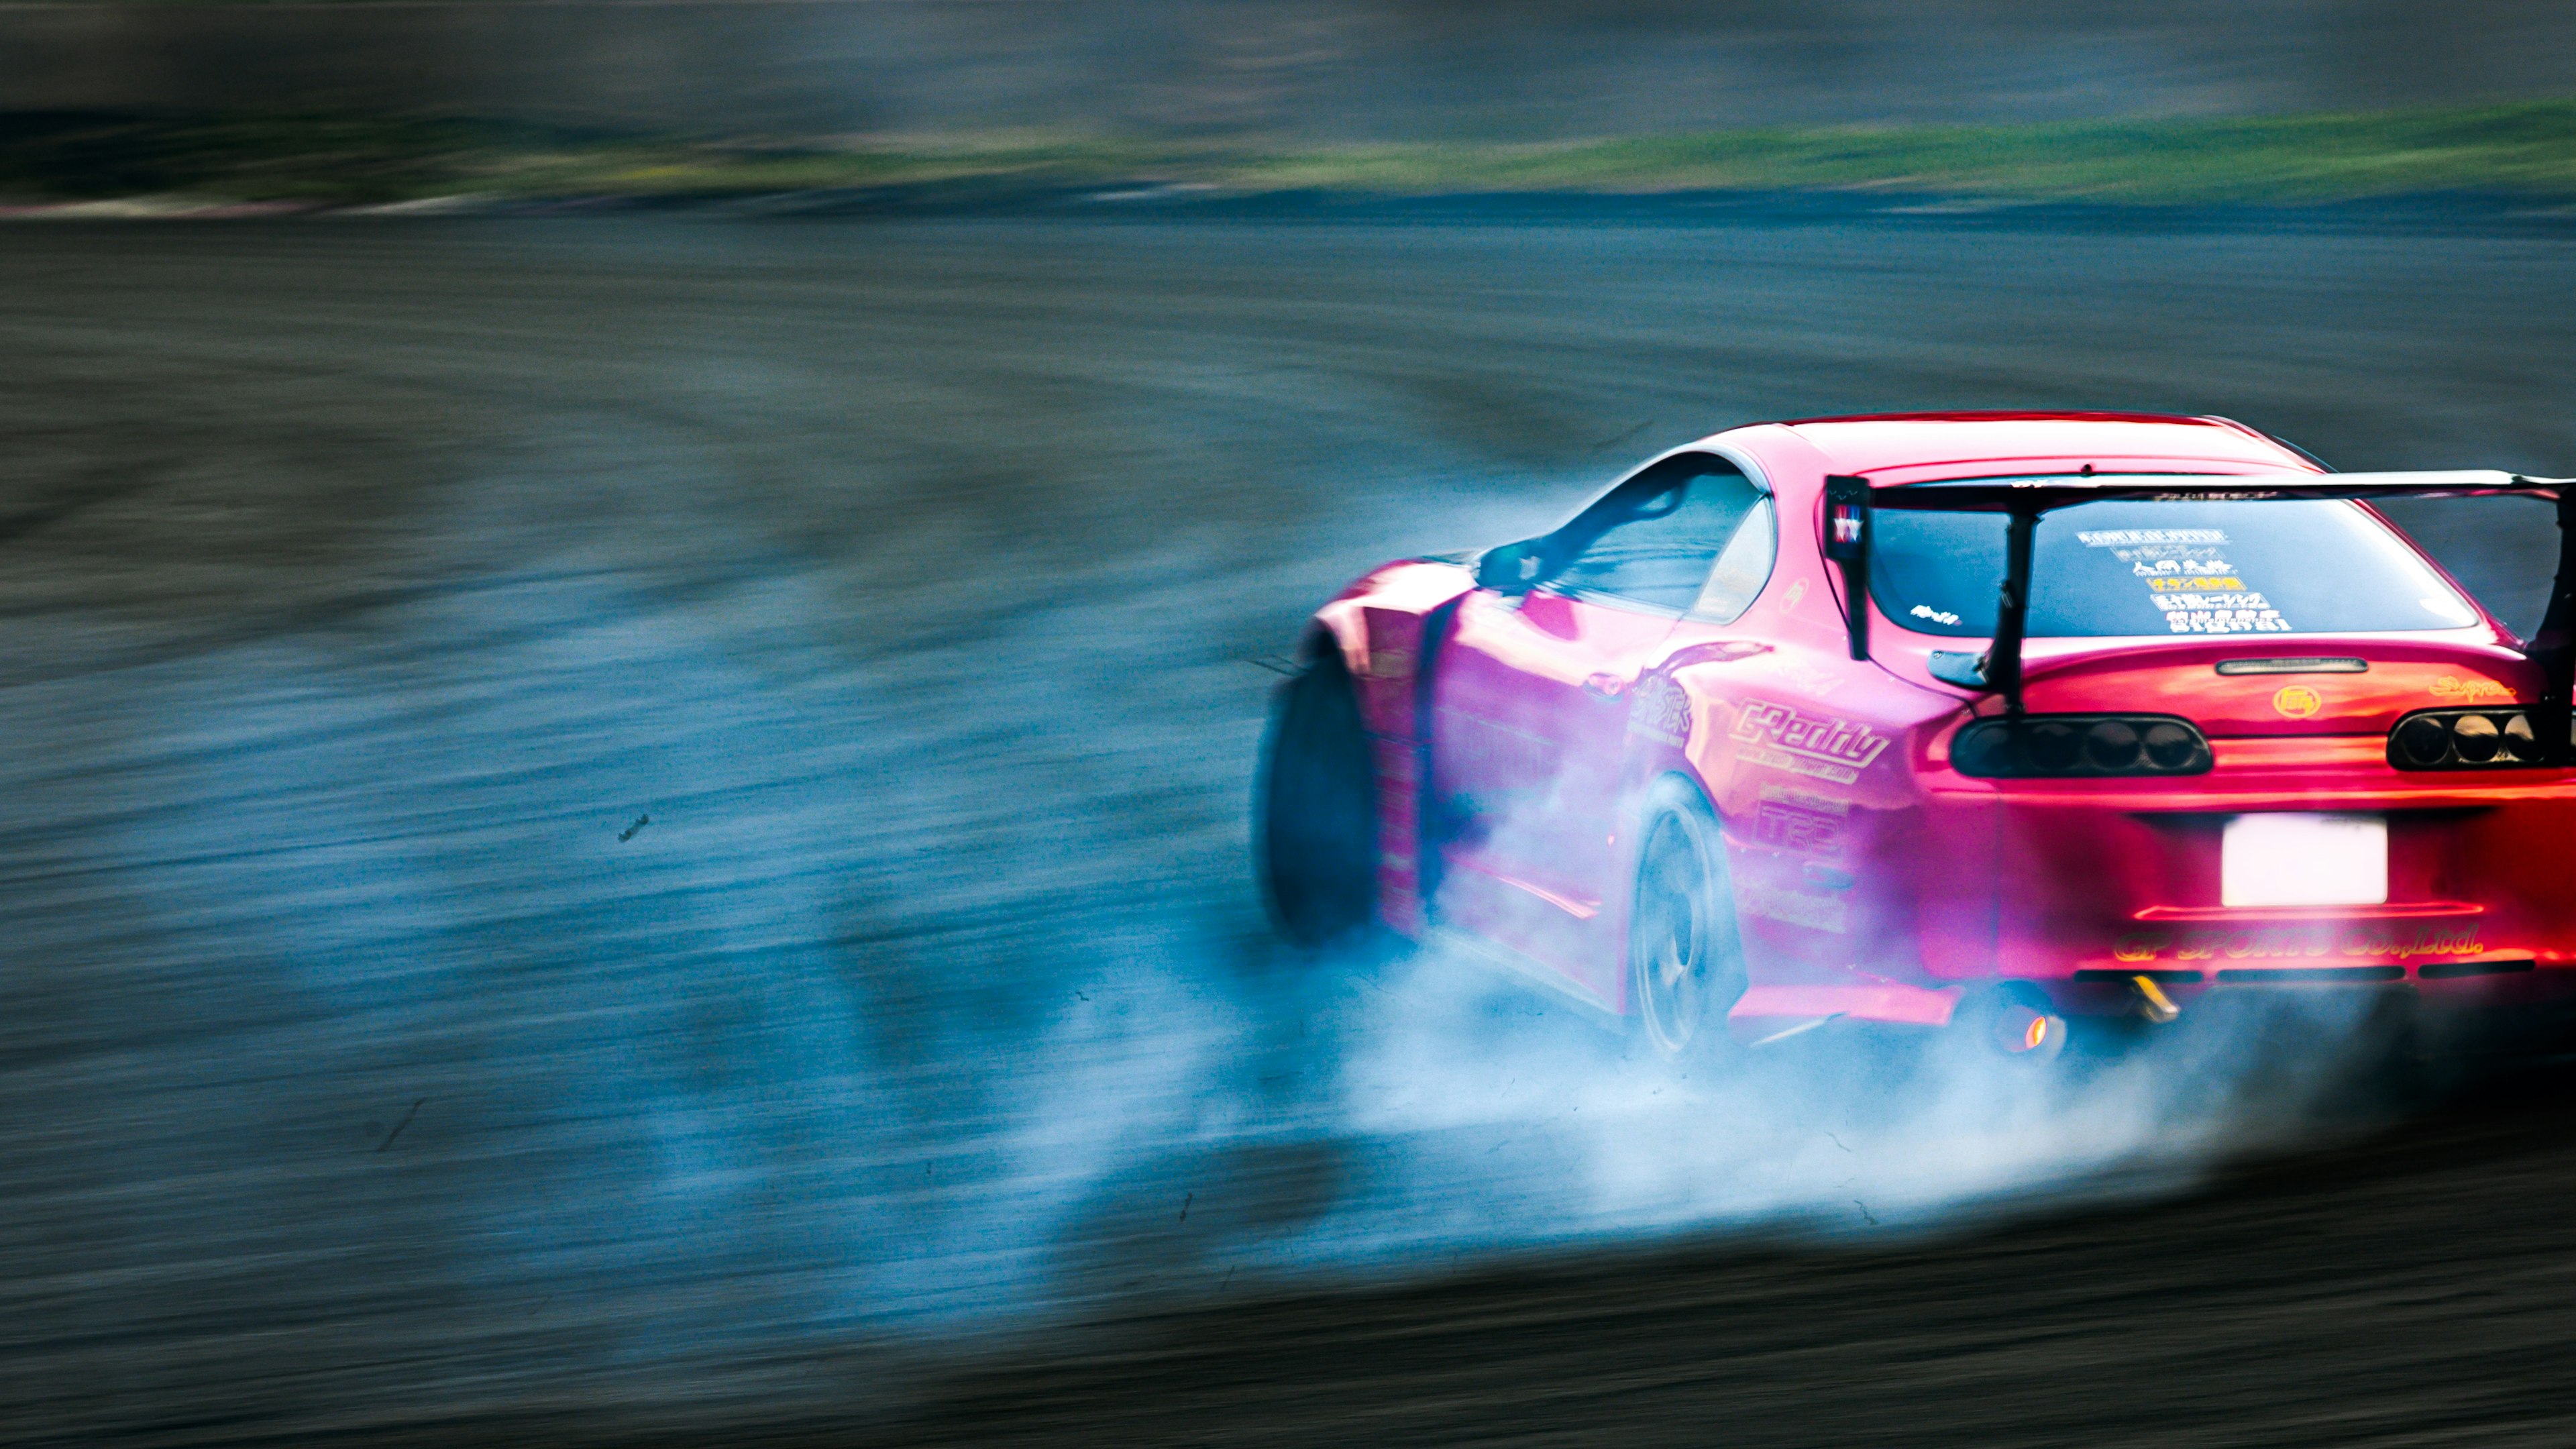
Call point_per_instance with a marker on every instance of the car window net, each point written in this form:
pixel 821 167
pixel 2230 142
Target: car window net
pixel 1654 541
pixel 2281 566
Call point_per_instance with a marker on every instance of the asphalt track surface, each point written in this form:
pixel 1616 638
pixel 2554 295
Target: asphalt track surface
pixel 633 830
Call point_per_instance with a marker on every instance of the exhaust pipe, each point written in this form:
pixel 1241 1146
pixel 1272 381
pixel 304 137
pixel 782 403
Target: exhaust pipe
pixel 2152 1002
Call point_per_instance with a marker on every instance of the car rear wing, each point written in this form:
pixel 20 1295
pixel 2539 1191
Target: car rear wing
pixel 1849 502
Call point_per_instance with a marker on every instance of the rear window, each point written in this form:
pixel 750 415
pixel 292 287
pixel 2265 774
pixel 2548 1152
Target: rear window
pixel 2280 566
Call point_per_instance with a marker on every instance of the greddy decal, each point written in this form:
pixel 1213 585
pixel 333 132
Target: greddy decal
pixel 2278 942
pixel 1819 746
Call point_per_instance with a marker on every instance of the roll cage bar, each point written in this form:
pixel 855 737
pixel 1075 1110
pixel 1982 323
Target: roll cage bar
pixel 1851 499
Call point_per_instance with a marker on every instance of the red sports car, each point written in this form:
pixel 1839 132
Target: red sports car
pixel 1995 719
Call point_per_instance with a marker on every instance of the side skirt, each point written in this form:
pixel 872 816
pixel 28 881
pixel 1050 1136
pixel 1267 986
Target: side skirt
pixel 1496 956
pixel 1892 1002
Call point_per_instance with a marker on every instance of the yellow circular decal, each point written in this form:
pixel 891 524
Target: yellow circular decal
pixel 2297 701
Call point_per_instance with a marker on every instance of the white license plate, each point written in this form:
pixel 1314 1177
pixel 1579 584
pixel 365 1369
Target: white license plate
pixel 2289 859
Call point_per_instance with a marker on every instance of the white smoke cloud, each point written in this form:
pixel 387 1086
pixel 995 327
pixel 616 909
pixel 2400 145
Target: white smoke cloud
pixel 926 1000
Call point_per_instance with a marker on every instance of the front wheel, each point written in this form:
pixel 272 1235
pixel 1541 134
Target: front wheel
pixel 1685 958
pixel 1317 816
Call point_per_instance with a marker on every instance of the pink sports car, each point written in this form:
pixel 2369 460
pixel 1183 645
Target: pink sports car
pixel 2003 720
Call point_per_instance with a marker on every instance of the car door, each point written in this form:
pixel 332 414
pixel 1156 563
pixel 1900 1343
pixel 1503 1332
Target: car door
pixel 1530 703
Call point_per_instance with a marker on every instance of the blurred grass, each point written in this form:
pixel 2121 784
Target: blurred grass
pixel 2524 149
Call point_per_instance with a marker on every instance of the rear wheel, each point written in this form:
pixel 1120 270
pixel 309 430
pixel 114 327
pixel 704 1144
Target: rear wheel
pixel 1685 959
pixel 1318 810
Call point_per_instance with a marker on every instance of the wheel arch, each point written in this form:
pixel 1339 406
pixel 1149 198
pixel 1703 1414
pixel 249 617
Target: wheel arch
pixel 1385 635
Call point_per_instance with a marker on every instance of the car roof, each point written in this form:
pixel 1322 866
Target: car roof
pixel 1911 440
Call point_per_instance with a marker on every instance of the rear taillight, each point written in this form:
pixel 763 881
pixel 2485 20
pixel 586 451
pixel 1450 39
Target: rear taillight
pixel 2463 739
pixel 2075 746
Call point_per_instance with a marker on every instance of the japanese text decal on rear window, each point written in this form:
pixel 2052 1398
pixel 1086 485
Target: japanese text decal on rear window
pixel 2148 568
pixel 2188 577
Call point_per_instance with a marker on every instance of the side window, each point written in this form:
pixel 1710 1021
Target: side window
pixel 1653 541
pixel 1741 570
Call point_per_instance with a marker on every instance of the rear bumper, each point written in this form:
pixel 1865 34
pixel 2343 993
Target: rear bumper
pixel 2495 981
pixel 2496 986
pixel 2094 886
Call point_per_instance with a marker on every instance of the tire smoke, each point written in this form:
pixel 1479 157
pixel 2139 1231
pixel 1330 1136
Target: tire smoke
pixel 934 1004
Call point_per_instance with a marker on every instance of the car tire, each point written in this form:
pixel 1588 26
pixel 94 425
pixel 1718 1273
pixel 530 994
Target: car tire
pixel 1685 953
pixel 1317 812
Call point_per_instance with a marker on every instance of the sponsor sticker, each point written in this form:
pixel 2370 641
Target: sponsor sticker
pixel 1795 908
pixel 1822 747
pixel 2297 701
pixel 2364 939
pixel 2246 613
pixel 1786 826
pixel 1660 710
pixel 2152 538
pixel 2189 580
pixel 1805 799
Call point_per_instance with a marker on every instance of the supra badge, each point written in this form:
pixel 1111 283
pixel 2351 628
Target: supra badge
pixel 2452 686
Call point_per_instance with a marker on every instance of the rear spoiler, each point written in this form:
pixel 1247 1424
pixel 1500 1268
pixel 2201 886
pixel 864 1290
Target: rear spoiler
pixel 1849 502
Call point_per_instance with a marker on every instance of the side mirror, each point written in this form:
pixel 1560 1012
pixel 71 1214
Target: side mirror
pixel 1512 568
